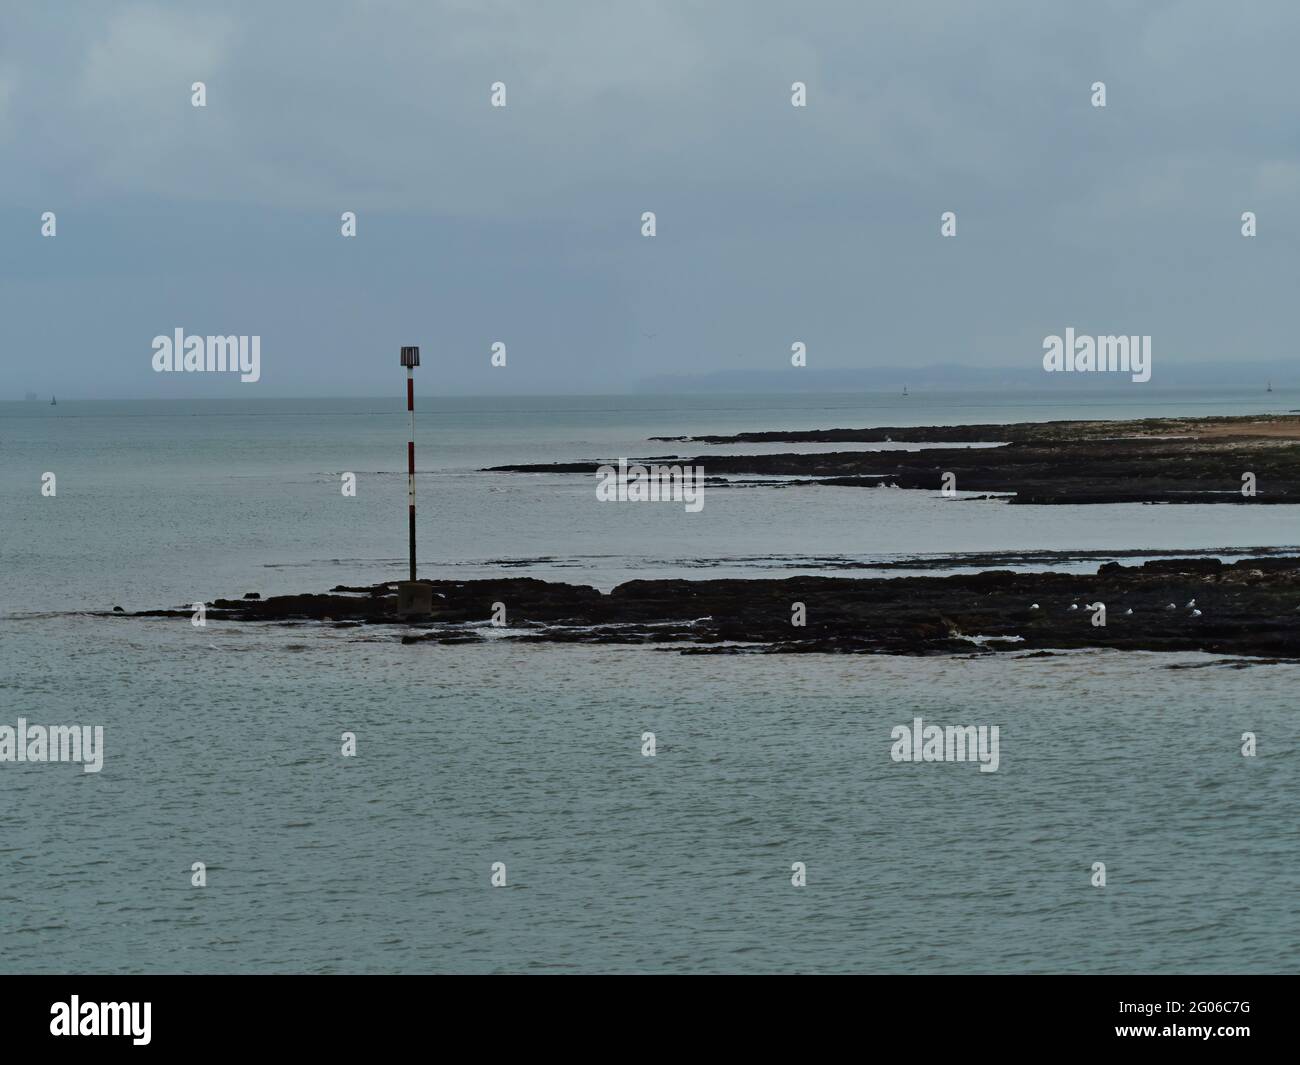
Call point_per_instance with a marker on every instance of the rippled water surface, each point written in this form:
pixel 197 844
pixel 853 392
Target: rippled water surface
pixel 222 743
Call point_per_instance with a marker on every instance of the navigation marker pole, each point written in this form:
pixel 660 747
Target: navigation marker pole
pixel 411 359
pixel 413 599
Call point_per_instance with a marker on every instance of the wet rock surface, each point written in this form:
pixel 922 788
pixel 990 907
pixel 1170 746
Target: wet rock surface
pixel 1249 608
pixel 1155 460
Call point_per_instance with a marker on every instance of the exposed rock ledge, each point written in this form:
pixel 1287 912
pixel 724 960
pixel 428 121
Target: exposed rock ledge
pixel 1250 608
pixel 1153 460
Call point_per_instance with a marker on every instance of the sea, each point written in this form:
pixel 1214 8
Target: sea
pixel 499 814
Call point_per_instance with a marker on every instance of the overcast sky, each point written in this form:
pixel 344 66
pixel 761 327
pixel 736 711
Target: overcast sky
pixel 523 224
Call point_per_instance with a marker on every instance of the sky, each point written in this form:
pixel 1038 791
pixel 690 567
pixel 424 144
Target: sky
pixel 522 225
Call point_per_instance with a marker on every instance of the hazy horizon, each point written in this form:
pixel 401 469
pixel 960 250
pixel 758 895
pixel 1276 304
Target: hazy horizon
pixel 1282 376
pixel 522 224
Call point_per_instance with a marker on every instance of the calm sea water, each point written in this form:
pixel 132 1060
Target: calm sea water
pixel 222 743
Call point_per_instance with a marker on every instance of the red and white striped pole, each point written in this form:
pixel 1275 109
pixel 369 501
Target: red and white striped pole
pixel 411 359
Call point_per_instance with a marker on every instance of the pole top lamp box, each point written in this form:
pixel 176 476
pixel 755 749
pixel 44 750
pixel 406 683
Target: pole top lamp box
pixel 410 356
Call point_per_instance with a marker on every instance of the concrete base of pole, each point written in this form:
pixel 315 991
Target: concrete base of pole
pixel 414 599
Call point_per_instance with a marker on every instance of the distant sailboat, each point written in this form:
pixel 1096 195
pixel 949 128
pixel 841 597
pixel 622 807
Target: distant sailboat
pixel 53 402
pixel 1270 387
pixel 905 391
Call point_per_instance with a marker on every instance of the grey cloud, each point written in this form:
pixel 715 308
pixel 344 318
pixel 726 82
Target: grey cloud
pixel 521 224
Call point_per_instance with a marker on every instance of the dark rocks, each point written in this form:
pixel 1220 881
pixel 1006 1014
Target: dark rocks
pixel 1276 426
pixel 1184 565
pixel 445 636
pixel 1153 460
pixel 1247 608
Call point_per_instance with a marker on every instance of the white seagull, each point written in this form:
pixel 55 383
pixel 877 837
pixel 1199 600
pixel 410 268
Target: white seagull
pixel 1196 613
pixel 1191 603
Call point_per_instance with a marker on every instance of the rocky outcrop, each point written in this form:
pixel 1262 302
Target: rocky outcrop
pixel 1247 608
pixel 1173 460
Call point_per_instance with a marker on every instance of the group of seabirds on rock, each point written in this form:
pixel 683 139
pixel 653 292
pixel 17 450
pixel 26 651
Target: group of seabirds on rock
pixel 1191 605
